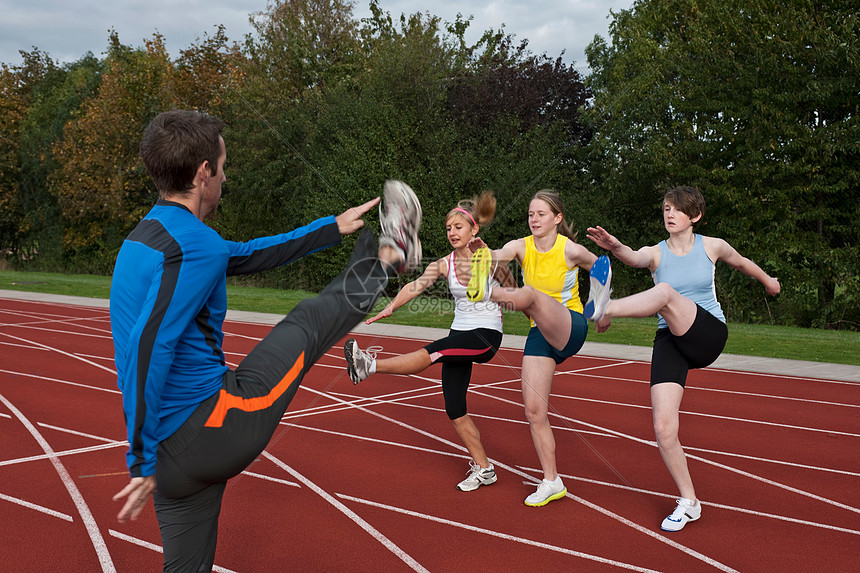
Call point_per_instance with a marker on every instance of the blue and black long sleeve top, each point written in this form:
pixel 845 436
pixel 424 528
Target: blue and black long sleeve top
pixel 168 302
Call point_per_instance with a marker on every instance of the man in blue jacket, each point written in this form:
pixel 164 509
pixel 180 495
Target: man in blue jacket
pixel 192 422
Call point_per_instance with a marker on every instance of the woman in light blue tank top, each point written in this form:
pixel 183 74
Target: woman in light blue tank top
pixel 691 331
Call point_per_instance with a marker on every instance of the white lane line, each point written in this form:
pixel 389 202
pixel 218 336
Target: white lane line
pixel 492 533
pixel 402 555
pixel 604 511
pixel 59 381
pixel 701 459
pixel 57 455
pixel 58 351
pixel 706 503
pixel 81 505
pixel 39 508
pixel 154 547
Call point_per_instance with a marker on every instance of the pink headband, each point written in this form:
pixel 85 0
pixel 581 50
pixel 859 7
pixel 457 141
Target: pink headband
pixel 467 214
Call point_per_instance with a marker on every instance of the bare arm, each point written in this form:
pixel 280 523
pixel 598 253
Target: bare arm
pixel 577 255
pixel 433 271
pixel 646 257
pixel 512 250
pixel 720 250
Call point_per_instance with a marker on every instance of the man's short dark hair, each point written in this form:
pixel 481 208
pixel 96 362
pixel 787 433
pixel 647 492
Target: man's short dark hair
pixel 175 144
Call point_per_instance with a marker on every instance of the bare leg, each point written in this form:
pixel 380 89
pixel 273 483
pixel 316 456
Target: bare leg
pixel 471 438
pixel 665 405
pixel 678 311
pixel 411 363
pixel 537 383
pixel 549 315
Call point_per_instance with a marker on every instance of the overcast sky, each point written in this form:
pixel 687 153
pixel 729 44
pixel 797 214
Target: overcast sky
pixel 67 29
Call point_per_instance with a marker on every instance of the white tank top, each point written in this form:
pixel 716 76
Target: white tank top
pixel 470 315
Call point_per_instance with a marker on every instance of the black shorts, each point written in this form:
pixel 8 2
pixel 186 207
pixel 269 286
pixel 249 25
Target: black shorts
pixel 673 356
pixel 478 345
pixel 457 352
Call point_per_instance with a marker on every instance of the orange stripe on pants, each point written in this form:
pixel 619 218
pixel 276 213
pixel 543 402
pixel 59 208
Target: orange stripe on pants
pixel 227 401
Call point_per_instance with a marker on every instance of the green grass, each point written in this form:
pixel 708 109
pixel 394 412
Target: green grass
pixel 839 347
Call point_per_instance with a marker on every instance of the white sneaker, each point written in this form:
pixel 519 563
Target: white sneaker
pixel 400 219
pixel 478 476
pixel 359 364
pixel 598 294
pixel 547 491
pixel 687 510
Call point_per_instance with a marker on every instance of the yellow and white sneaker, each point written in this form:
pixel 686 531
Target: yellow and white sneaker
pixel 479 287
pixel 547 491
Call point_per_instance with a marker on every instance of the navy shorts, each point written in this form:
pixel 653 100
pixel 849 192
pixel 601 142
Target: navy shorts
pixel 673 356
pixel 536 344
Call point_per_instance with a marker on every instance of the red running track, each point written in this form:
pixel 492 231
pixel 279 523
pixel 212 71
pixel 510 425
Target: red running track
pixel 362 478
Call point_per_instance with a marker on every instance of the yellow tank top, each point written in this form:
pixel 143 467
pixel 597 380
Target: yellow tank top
pixel 548 273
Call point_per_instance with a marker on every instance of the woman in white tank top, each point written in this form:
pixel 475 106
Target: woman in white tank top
pixel 475 335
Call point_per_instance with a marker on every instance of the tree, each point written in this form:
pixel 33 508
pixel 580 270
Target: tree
pixel 24 88
pixel 756 103
pixel 100 182
pixel 301 50
pixel 518 120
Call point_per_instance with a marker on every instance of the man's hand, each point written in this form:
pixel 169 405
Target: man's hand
pixel 350 220
pixel 137 491
pixel 384 313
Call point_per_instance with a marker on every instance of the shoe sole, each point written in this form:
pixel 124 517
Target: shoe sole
pixel 480 483
pixel 553 497
pixel 398 192
pixel 682 523
pixel 480 264
pixel 350 368
pixel 600 275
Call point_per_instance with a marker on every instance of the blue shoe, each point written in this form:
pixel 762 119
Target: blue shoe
pixel 598 294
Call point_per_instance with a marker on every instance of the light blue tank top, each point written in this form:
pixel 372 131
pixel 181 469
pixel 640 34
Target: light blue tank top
pixel 692 275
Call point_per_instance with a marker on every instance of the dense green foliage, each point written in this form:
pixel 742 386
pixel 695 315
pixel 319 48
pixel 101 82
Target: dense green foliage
pixel 755 102
pixel 758 104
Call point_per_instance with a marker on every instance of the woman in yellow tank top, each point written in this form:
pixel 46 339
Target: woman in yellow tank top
pixel 550 259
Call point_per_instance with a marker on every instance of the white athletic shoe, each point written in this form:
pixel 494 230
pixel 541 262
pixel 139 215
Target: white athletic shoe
pixel 547 491
pixel 598 294
pixel 478 476
pixel 400 219
pixel 687 510
pixel 359 364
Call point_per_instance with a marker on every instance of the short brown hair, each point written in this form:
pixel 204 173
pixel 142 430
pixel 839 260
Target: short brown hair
pixel 175 144
pixel 687 200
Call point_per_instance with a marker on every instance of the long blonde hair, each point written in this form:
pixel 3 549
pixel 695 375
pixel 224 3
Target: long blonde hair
pixel 553 199
pixel 479 210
